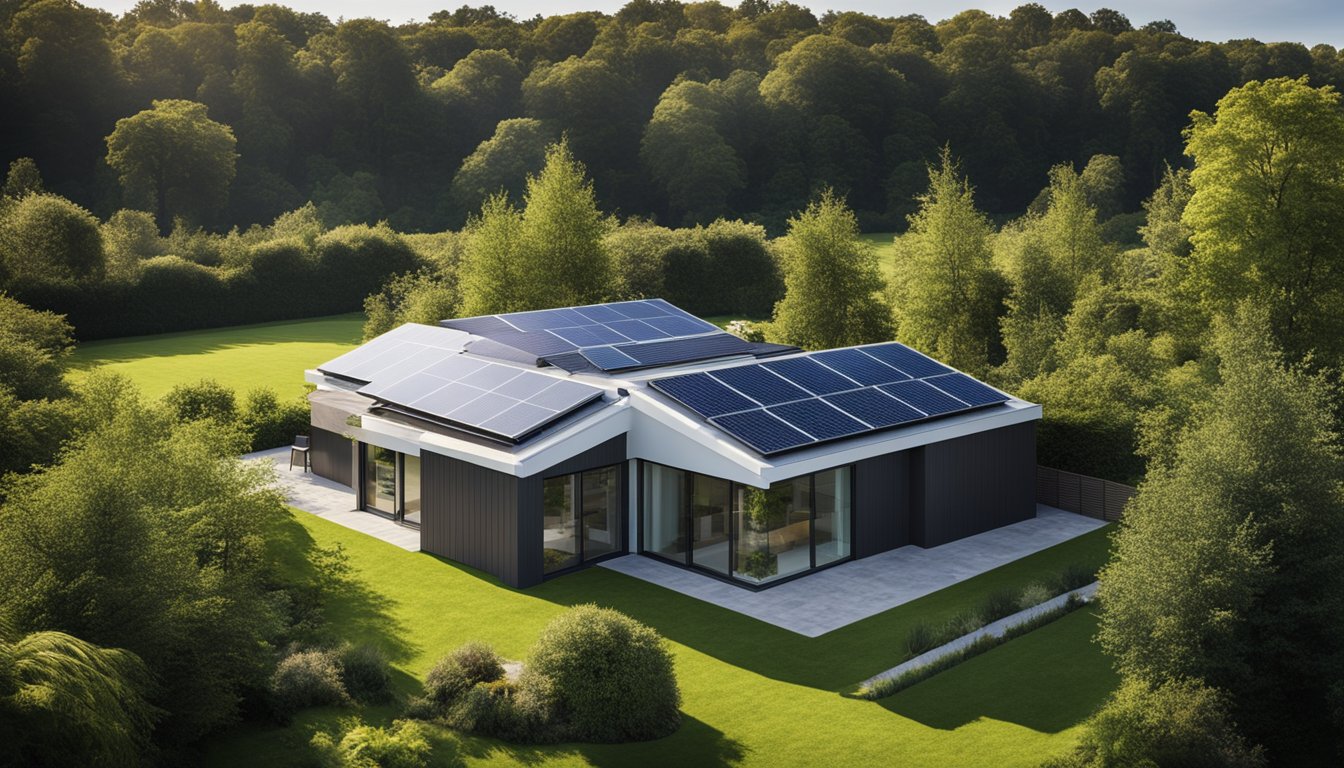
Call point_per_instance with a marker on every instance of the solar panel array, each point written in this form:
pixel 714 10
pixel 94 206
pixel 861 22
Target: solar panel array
pixel 421 371
pixel 779 405
pixel 618 336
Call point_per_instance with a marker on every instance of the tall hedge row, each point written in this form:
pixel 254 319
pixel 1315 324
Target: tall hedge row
pixel 280 279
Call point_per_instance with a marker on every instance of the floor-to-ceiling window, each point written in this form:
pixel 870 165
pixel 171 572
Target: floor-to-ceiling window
pixel 581 517
pixel 750 534
pixel 391 484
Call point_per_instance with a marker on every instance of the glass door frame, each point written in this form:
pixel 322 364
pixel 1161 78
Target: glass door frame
pixel 399 492
pixel 618 515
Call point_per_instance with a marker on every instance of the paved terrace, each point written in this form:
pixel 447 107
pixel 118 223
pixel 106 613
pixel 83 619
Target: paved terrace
pixel 811 606
pixel 332 501
pixel 846 593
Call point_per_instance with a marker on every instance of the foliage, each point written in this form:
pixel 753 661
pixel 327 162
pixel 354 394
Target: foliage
pixel 1225 567
pixel 174 160
pixel 365 672
pixel 501 163
pixel 415 297
pixel 45 238
pixel 22 179
pixel 270 422
pixel 206 399
pixel 401 745
pixel 946 294
pixel 490 266
pixel 150 535
pixel 999 603
pixel 612 676
pixel 67 701
pixel 34 350
pixel 831 281
pixel 1180 722
pixel 1266 186
pixel 455 674
pixel 305 679
pixel 921 637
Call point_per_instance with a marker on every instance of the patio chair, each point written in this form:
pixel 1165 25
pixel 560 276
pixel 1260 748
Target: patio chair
pixel 299 448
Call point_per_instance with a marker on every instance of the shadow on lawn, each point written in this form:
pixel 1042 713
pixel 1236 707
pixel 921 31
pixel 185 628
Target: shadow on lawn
pixel 363 615
pixel 694 744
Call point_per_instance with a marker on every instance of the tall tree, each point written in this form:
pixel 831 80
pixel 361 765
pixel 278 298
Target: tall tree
pixel 1227 567
pixel 174 160
pixel 831 280
pixel 491 268
pixel 946 292
pixel 1265 209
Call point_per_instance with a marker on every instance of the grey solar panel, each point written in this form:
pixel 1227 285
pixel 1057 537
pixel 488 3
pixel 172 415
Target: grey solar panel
pixel 565 395
pixel 518 420
pixel 491 376
pixel 443 400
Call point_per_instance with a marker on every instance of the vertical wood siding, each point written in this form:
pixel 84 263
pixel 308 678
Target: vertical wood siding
pixel 332 456
pixel 881 503
pixel 469 514
pixel 974 483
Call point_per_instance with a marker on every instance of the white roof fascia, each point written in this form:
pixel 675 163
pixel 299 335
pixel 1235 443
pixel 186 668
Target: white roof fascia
pixel 588 432
pixel 668 436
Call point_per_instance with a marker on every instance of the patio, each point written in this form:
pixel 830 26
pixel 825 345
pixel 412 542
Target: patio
pixel 332 501
pixel 830 599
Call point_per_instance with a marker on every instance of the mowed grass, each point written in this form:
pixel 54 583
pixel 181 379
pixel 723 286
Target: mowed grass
pixel 885 247
pixel 242 357
pixel 752 694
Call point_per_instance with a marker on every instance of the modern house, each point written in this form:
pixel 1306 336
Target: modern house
pixel 534 443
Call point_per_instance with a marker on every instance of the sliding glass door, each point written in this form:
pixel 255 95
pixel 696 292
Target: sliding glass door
pixel 390 484
pixel 581 517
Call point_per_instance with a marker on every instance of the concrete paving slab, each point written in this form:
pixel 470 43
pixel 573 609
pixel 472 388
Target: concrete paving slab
pixel 332 501
pixel 825 601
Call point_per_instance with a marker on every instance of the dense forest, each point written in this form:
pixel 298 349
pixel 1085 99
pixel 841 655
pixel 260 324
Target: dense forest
pixel 682 112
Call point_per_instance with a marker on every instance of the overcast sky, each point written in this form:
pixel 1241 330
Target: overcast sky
pixel 1304 21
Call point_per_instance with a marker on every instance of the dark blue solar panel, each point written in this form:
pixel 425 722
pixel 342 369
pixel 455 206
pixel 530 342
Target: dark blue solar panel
pixel 545 319
pixel 924 397
pixel 818 419
pixel 652 353
pixel 759 384
pixel 539 343
pixel 810 375
pixel 873 407
pixel 858 366
pixel 637 330
pixel 518 420
pixel 906 359
pixel 965 388
pixel 638 309
pixel 589 335
pixel 609 358
pixel 761 431
pixel 600 313
pixel 703 394
pixel 680 326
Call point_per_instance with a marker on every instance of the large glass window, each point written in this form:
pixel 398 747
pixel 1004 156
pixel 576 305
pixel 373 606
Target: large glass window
pixel 709 522
pixel 380 479
pixel 831 530
pixel 664 503
pixel 601 506
pixel 751 534
pixel 560 536
pixel 410 488
pixel 774 530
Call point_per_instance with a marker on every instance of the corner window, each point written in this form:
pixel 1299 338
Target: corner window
pixel 580 517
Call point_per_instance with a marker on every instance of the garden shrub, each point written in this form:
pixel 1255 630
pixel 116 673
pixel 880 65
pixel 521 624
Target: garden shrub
pixel 307 679
pixel 1034 594
pixel 402 745
pixel 365 672
pixel 921 638
pixel 484 708
pixel 456 673
pixel 273 423
pixel 1178 723
pixel 206 399
pixel 963 623
pixel 998 604
pixel 1075 576
pixel 612 676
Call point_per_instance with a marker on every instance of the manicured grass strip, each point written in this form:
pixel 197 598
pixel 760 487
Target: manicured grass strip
pixel 888 686
pixel 752 693
pixel 242 357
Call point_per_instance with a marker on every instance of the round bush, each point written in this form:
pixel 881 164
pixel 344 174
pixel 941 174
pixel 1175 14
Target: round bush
pixel 459 671
pixel 307 679
pixel 612 676
pixel 365 672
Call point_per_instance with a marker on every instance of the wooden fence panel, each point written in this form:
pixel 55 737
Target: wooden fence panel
pixel 1081 494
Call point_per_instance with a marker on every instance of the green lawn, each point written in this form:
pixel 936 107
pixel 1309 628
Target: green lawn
pixel 752 693
pixel 885 248
pixel 241 357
